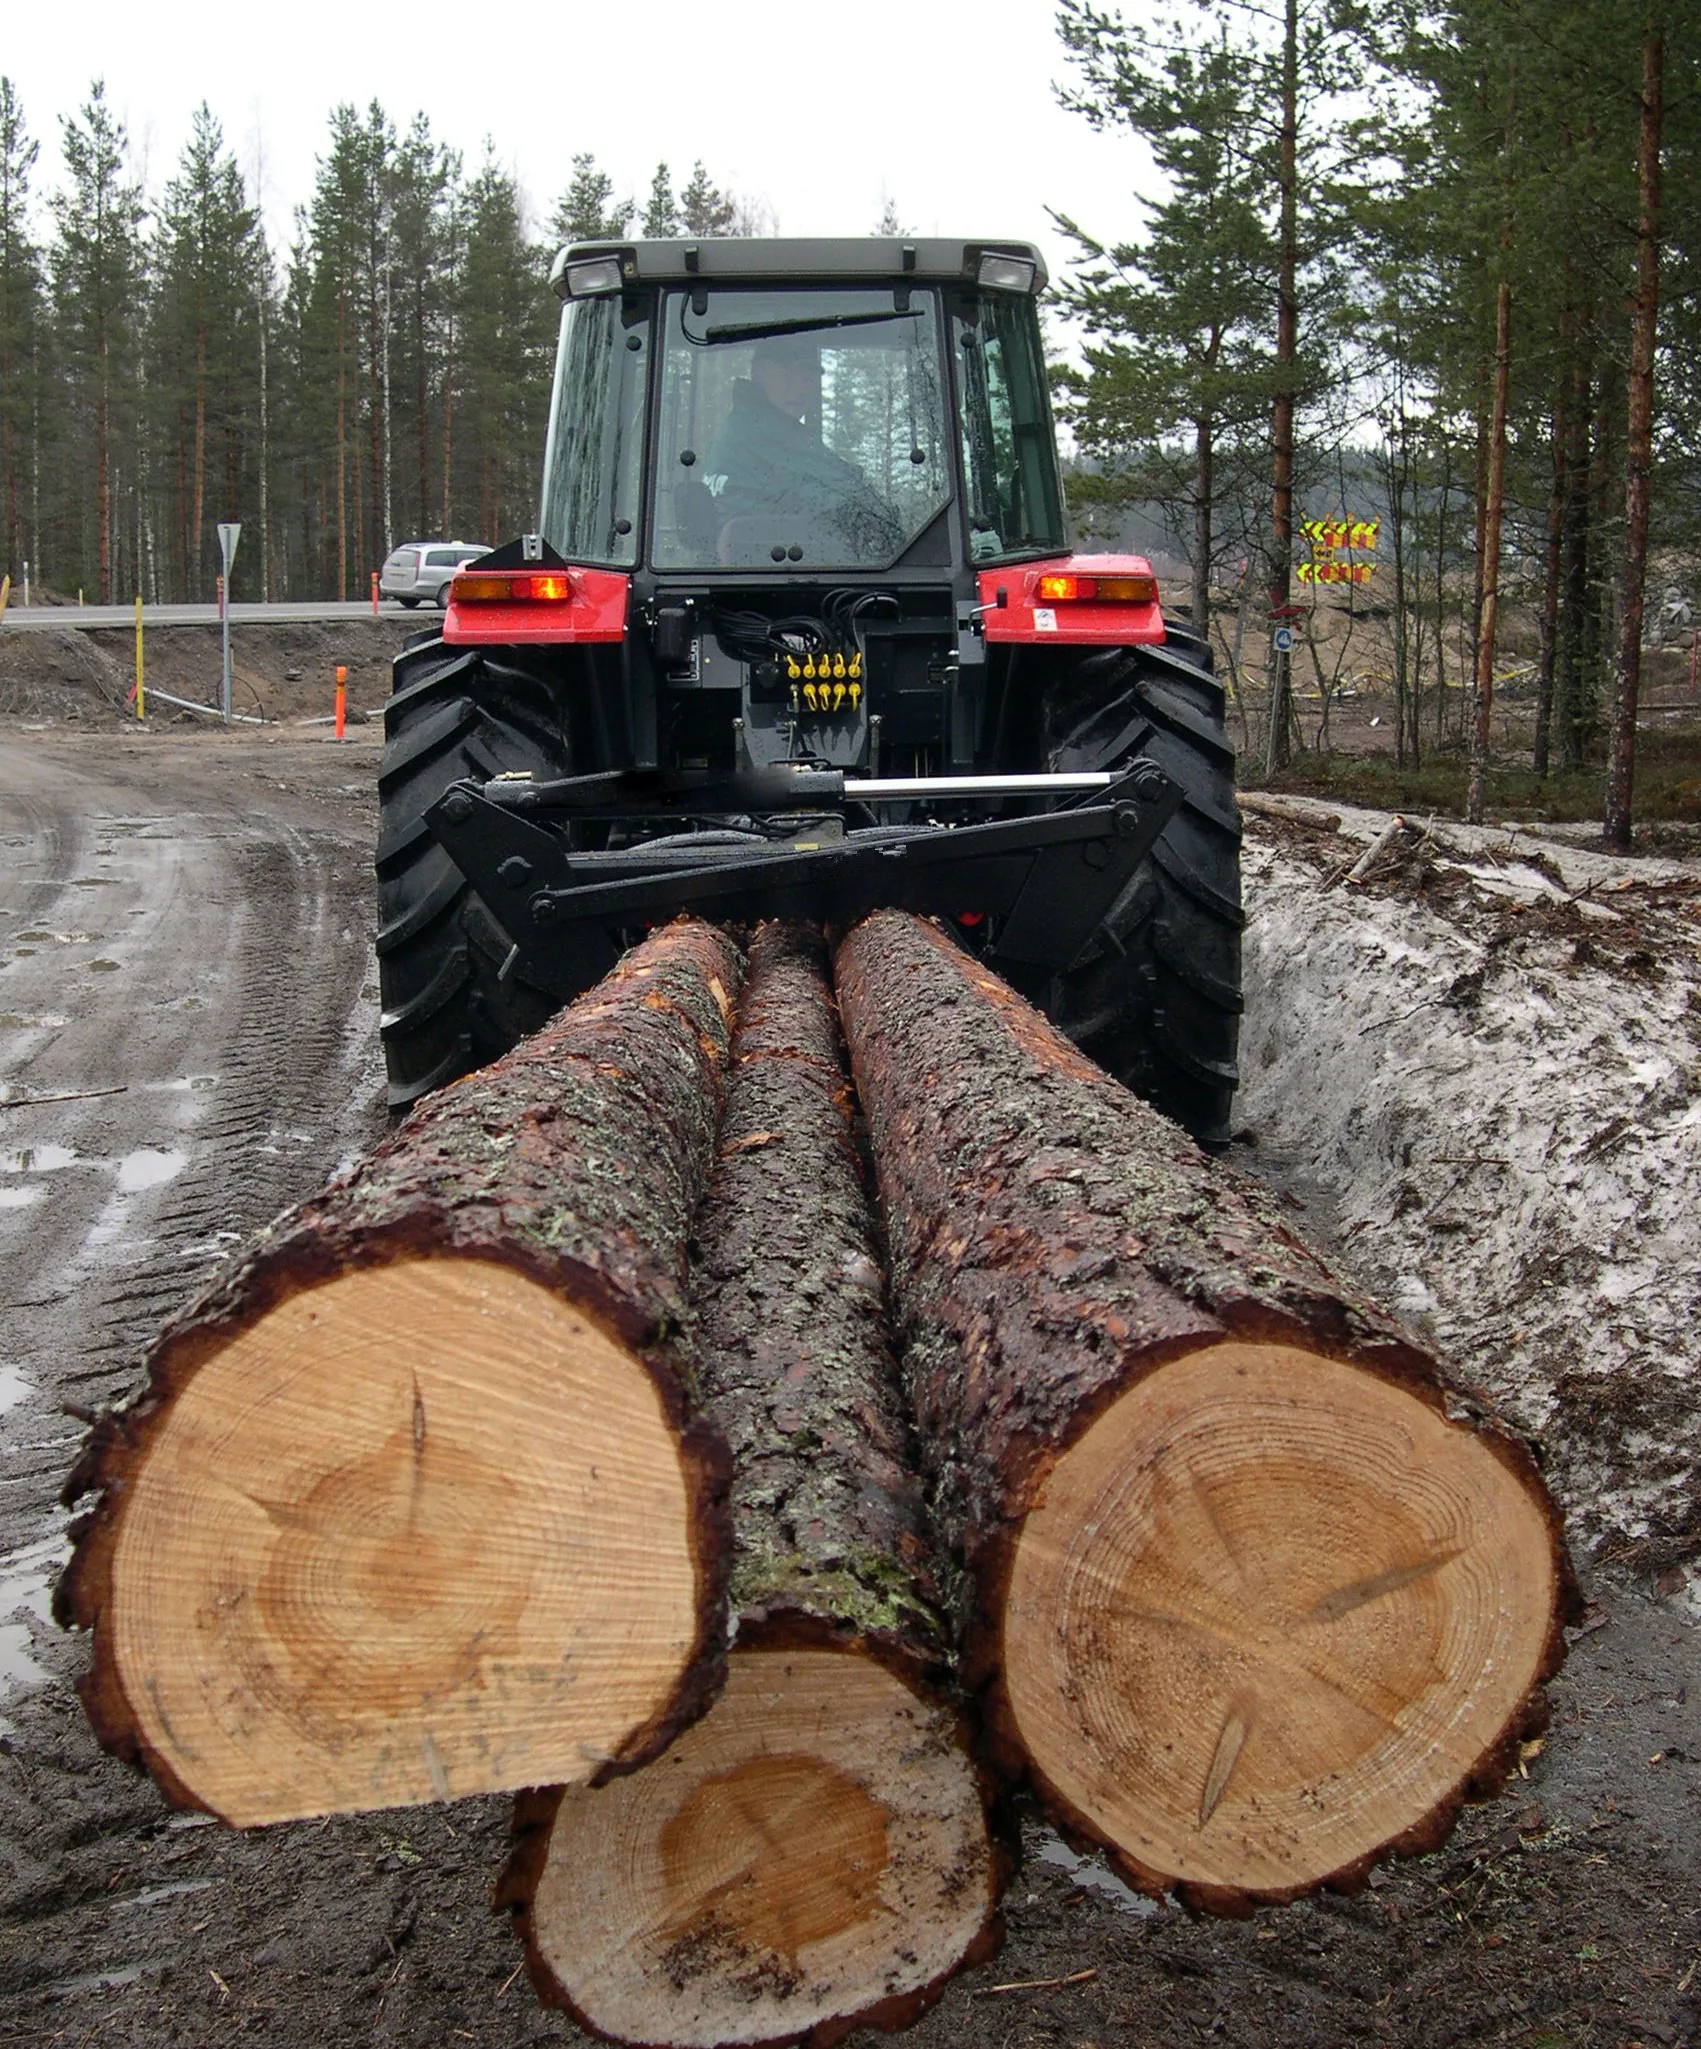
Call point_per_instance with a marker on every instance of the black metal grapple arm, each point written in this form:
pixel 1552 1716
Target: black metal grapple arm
pixel 1044 883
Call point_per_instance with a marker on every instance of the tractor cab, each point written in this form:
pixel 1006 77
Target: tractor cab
pixel 789 410
pixel 799 632
pixel 813 489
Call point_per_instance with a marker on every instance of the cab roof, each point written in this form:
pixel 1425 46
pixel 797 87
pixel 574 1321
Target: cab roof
pixel 775 259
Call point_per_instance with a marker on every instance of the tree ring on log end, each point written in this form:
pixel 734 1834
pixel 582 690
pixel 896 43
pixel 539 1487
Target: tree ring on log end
pixel 415 1533
pixel 812 1849
pixel 1271 1613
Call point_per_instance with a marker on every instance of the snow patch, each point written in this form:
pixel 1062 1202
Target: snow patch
pixel 1501 1098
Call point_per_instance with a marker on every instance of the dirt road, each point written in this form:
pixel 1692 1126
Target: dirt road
pixel 185 928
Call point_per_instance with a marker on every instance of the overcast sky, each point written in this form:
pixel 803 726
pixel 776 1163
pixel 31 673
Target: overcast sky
pixel 817 111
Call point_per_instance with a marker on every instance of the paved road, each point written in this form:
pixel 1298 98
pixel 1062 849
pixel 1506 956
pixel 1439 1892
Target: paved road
pixel 35 618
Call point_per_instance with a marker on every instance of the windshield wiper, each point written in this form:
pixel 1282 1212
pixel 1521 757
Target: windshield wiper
pixel 763 330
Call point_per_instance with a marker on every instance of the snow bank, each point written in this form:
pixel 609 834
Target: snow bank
pixel 1485 1056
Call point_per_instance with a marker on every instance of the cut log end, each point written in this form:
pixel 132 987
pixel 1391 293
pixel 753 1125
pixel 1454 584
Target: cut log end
pixel 1273 1615
pixel 420 1532
pixel 812 1853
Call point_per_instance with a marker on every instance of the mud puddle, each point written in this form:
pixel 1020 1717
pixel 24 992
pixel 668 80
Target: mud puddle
pixel 26 1593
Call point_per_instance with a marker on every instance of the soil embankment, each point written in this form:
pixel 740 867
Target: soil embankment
pixel 1508 1030
pixel 65 674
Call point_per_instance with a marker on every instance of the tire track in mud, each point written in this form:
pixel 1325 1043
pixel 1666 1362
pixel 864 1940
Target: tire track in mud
pixel 237 1030
pixel 295 1091
pixel 238 1015
pixel 290 1089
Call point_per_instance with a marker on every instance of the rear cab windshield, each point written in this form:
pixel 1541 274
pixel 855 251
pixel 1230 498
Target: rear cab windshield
pixel 797 426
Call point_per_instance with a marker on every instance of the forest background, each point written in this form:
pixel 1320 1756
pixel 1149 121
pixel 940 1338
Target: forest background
pixel 1431 266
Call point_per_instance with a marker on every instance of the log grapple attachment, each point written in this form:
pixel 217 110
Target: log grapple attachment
pixel 1044 883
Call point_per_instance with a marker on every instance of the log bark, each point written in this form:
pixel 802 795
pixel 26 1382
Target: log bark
pixel 1253 1593
pixel 419 1501
pixel 813 1854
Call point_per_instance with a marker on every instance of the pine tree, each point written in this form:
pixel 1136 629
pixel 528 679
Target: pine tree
pixel 503 341
pixel 452 248
pixel 98 277
pixel 1178 324
pixel 1639 438
pixel 1520 220
pixel 421 179
pixel 20 325
pixel 588 211
pixel 704 209
pixel 329 325
pixel 377 281
pixel 344 320
pixel 661 210
pixel 203 349
pixel 1245 109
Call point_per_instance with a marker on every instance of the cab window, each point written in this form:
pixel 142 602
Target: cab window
pixel 593 464
pixel 799 428
pixel 1009 452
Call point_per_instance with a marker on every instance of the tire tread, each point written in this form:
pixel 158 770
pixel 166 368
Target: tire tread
pixel 444 1006
pixel 1157 997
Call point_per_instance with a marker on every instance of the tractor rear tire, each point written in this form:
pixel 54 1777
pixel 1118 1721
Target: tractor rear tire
pixel 1156 998
pixel 455 712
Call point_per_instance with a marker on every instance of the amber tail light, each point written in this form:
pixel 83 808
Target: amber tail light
pixel 1098 590
pixel 527 587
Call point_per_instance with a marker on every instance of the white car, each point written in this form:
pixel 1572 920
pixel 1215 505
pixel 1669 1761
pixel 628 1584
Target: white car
pixel 419 570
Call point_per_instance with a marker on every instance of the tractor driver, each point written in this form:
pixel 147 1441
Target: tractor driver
pixel 772 464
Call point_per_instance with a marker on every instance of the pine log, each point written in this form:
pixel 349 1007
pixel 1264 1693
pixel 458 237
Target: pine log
pixel 418 1502
pixel 813 1853
pixel 1254 1593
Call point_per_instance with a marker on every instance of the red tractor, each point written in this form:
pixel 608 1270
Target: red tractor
pixel 800 632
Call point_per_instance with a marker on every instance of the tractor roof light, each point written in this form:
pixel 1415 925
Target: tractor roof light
pixel 1006 273
pixel 1098 590
pixel 594 277
pixel 534 587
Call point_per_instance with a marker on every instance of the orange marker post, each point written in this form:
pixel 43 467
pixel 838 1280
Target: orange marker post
pixel 375 594
pixel 342 699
